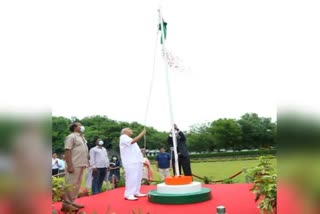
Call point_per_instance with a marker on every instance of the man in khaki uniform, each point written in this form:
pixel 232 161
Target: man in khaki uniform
pixel 76 156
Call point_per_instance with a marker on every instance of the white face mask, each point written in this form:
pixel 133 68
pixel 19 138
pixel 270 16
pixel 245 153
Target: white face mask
pixel 114 158
pixel 100 143
pixel 82 128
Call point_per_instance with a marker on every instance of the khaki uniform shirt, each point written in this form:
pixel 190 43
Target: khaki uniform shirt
pixel 79 149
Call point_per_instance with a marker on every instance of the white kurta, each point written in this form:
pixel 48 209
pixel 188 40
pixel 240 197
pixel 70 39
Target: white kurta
pixel 132 161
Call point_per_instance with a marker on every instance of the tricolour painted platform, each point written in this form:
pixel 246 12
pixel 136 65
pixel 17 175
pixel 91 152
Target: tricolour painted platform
pixel 179 194
pixel 187 198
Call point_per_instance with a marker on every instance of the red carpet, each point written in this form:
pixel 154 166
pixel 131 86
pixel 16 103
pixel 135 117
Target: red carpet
pixel 235 197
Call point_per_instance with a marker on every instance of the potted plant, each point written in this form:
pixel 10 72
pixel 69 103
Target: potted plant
pixel 264 179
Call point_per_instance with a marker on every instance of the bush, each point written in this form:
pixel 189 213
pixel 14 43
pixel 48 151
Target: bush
pixel 122 181
pixel 208 180
pixel 104 187
pixel 227 181
pixel 265 185
pixel 58 188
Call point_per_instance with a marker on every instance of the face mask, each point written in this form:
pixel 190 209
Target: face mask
pixel 82 128
pixel 114 158
pixel 100 142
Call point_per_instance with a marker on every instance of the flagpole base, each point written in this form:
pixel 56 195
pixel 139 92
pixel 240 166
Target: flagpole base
pixel 185 198
pixel 178 180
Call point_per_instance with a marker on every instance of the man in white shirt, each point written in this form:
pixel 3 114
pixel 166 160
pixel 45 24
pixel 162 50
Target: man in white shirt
pixel 132 162
pixel 62 166
pixel 99 162
pixel 55 164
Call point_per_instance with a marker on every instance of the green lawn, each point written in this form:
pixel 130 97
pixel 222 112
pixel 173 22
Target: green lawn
pixel 225 169
pixel 219 170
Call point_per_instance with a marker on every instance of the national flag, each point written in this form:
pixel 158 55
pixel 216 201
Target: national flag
pixel 175 63
pixel 164 30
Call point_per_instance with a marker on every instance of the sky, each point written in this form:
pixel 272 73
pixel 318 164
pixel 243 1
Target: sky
pixel 84 58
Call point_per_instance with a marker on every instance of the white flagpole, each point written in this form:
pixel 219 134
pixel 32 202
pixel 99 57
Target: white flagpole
pixel 176 165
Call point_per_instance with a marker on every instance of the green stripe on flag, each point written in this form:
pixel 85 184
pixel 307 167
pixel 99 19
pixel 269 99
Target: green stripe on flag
pixel 164 30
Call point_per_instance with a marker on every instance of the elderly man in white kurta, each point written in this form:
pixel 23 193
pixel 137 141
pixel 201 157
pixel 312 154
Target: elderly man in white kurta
pixel 132 161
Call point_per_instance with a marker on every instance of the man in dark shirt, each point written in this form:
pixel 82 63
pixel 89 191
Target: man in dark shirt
pixel 182 150
pixel 163 163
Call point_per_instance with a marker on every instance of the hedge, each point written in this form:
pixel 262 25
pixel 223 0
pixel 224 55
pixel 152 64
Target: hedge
pixel 229 154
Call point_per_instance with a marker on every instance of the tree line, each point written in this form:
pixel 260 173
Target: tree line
pixel 249 132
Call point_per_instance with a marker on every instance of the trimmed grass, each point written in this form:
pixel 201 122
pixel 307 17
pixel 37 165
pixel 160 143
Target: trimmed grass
pixel 223 169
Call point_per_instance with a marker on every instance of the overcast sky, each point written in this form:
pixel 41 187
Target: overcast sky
pixel 96 58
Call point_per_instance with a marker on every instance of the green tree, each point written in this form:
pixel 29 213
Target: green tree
pixel 226 134
pixel 249 132
pixel 60 129
pixel 200 139
pixel 105 128
pixel 257 131
pixel 102 127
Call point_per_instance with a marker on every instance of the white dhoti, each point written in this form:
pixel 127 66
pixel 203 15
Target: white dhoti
pixel 89 178
pixel 133 175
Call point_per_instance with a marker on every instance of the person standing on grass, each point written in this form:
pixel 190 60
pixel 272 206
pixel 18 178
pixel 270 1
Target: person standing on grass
pixel 114 168
pixel 132 161
pixel 55 164
pixel 62 166
pixel 99 163
pixel 163 163
pixel 76 156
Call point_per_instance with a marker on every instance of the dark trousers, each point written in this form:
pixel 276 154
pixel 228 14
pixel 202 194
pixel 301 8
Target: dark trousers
pixel 55 171
pixel 98 179
pixel 184 163
pixel 115 172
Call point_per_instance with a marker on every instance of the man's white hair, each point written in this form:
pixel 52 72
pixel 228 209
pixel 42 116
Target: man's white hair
pixel 123 130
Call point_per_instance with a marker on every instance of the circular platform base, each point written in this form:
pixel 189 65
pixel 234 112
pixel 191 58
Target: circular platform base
pixel 179 189
pixel 187 198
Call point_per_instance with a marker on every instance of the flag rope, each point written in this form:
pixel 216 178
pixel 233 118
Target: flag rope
pixel 150 89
